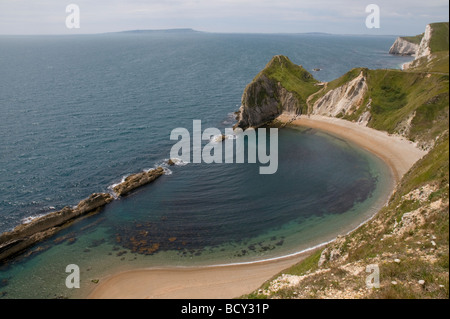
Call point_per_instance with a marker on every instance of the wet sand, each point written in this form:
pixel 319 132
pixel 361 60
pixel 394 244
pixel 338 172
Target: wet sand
pixel 230 281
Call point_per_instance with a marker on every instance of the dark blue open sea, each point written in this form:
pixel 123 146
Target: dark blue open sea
pixel 78 113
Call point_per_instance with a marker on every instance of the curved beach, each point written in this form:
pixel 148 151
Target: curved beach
pixel 229 281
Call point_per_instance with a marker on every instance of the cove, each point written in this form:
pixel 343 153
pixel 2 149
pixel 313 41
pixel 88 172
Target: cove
pixel 213 214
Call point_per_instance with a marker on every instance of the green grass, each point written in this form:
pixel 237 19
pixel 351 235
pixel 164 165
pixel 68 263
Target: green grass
pixel 438 64
pixel 308 264
pixel 434 167
pixel 347 77
pixel 439 37
pixel 396 95
pixel 294 78
pixel 414 39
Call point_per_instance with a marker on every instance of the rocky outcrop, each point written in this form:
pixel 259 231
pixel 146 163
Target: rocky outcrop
pixel 267 96
pixel 26 235
pixel 262 101
pixel 343 100
pixel 137 180
pixel 402 46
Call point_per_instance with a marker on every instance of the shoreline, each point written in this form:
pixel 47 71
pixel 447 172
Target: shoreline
pixel 396 151
pixel 234 280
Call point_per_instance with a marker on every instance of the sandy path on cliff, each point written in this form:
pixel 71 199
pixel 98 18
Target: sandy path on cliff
pixel 235 280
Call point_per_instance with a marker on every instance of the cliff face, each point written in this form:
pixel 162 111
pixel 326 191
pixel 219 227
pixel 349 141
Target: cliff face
pixel 424 47
pixel 263 100
pixel 411 104
pixel 423 50
pixel 408 239
pixel 403 47
pixel 280 87
pixel 343 100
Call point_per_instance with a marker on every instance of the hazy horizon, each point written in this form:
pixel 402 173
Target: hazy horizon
pixel 191 30
pixel 347 17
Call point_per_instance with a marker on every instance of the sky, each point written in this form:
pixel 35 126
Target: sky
pixel 397 17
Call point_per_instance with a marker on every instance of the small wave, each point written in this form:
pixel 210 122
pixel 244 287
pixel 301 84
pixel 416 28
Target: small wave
pixel 222 137
pixel 231 118
pixel 177 161
pixel 164 164
pixel 166 167
pixel 111 187
pixel 29 219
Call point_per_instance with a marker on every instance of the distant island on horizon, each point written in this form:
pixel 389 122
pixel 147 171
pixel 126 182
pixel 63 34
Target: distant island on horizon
pixel 191 30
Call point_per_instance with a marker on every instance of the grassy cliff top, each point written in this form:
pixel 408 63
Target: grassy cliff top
pixel 420 252
pixel 292 77
pixel 413 39
pixel 438 61
pixel 439 37
pixel 409 237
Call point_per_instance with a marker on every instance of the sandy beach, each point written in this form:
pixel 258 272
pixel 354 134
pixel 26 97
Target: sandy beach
pixel 235 280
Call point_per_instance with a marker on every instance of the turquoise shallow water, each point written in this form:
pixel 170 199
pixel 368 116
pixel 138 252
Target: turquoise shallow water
pixel 82 112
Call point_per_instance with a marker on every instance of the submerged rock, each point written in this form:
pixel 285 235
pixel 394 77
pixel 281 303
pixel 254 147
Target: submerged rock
pixel 137 180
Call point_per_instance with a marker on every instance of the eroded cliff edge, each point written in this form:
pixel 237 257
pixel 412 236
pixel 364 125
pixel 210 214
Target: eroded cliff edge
pixel 412 104
pixel 406 45
pixel 281 86
pixel 408 239
pixel 432 52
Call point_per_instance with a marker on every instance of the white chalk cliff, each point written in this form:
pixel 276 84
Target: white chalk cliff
pixel 343 100
pixel 403 47
pixel 424 48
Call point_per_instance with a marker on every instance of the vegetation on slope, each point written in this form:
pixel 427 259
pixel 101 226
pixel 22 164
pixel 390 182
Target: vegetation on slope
pixel 438 62
pixel 414 39
pixel 409 238
pixel 294 78
pixel 411 104
pixel 439 37
pixel 347 77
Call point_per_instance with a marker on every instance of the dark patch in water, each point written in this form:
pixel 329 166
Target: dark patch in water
pixel 4 282
pixel 97 242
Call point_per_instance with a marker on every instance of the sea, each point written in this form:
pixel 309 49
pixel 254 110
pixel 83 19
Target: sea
pixel 79 113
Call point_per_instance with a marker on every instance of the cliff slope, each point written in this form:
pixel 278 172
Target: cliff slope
pixel 432 54
pixel 413 104
pixel 281 86
pixel 408 240
pixel 406 45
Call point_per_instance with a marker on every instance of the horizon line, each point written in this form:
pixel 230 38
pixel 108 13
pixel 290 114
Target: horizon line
pixel 191 30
